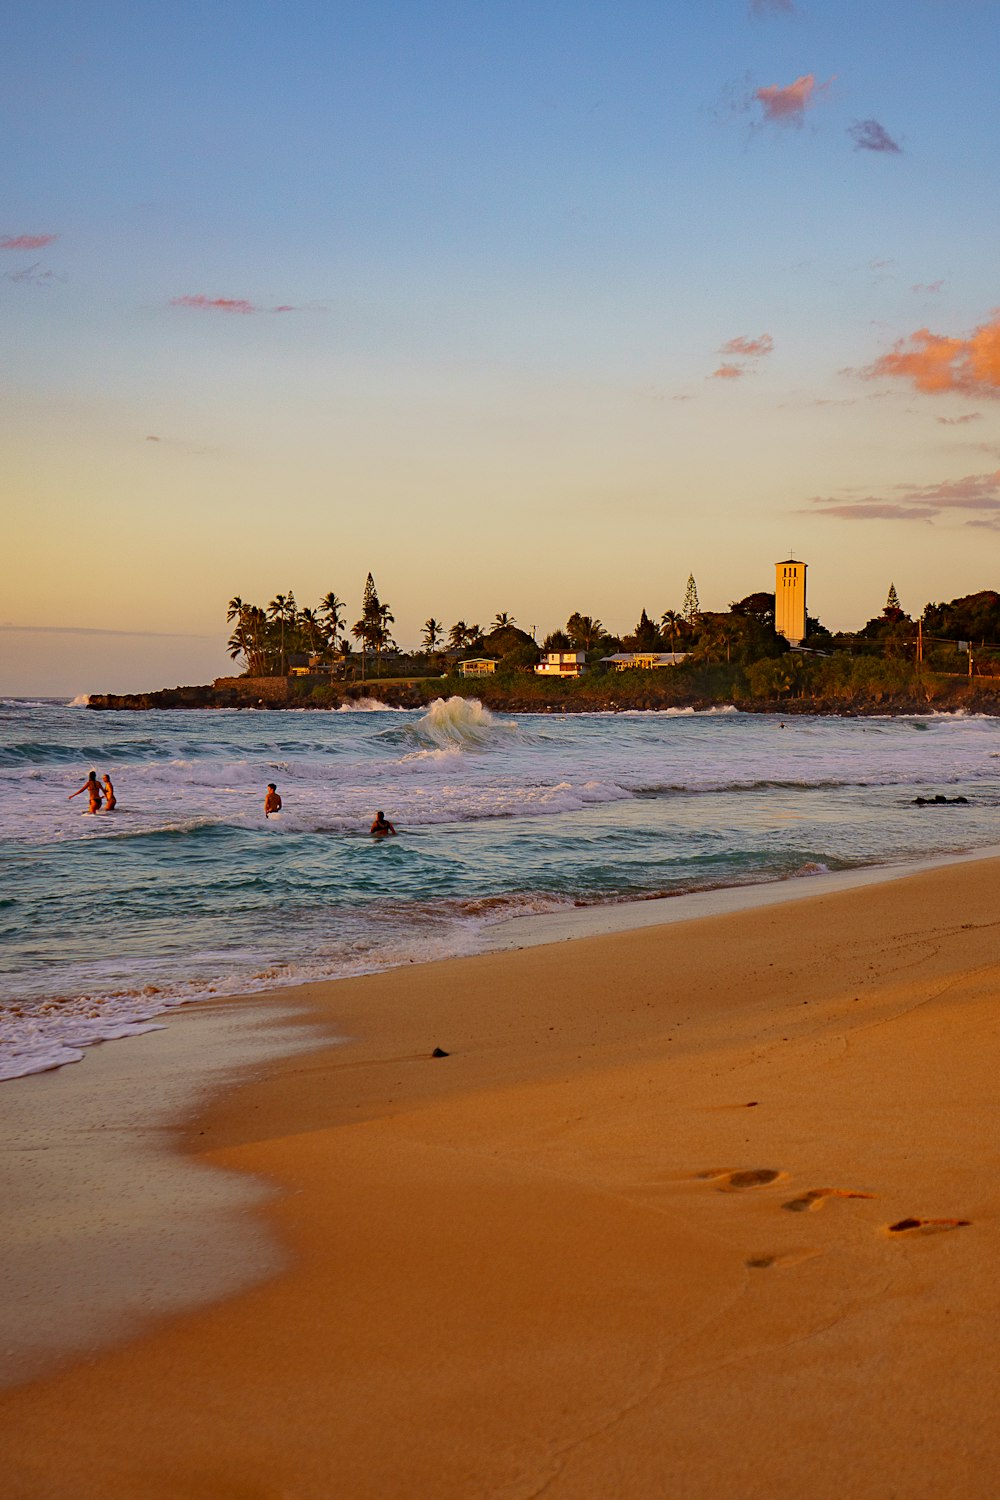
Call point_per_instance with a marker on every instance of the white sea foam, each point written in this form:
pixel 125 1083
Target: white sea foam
pixel 186 890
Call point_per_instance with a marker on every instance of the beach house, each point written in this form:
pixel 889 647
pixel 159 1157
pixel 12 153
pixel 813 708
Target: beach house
pixel 646 661
pixel 562 664
pixel 477 666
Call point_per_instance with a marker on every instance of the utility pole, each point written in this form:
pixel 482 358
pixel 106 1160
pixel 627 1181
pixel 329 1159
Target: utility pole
pixel 920 641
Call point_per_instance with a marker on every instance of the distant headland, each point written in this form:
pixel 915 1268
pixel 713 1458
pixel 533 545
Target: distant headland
pixel 948 659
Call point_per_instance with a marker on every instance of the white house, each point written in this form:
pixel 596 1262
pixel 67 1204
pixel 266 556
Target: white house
pixel 624 661
pixel 562 664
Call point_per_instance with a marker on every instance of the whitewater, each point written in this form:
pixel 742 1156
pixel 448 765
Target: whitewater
pixel 186 891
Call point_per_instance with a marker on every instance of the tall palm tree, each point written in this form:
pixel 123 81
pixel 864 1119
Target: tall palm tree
pixel 234 608
pixel 331 608
pixel 672 622
pixel 457 634
pixel 433 633
pixel 502 621
pixel 282 608
pixel 312 628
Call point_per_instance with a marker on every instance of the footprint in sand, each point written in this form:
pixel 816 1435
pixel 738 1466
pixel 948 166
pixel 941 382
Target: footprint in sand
pixel 780 1259
pixel 816 1197
pixel 926 1226
pixel 738 1179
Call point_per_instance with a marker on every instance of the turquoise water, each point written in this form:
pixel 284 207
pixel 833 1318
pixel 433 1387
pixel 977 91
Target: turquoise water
pixel 186 890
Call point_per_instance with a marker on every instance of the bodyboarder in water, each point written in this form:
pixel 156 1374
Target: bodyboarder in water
pixel 381 827
pixel 93 787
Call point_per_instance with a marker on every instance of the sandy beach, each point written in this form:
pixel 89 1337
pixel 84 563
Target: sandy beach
pixel 706 1209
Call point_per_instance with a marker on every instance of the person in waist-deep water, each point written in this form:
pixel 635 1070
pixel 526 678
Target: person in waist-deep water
pixel 93 787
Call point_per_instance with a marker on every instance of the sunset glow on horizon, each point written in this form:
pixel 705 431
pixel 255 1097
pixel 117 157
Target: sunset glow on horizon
pixel 574 300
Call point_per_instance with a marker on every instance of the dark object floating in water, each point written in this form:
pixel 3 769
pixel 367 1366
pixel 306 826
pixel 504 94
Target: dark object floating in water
pixel 939 801
pixel 439 1052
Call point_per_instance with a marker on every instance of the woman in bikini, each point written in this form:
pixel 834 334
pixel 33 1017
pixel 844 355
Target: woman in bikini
pixel 93 787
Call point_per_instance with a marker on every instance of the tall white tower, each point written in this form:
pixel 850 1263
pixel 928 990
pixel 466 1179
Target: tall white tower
pixel 790 600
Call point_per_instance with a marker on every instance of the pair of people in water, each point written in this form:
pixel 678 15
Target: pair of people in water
pixel 380 829
pixel 98 793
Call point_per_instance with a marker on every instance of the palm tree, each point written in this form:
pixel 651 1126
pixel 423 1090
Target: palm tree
pixel 457 634
pixel 313 629
pixel 361 631
pixel 282 608
pixel 584 631
pixel 433 633
pixel 234 608
pixel 330 607
pixel 503 621
pixel 672 621
pixel 382 635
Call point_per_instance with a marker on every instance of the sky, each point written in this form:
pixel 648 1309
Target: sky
pixel 523 305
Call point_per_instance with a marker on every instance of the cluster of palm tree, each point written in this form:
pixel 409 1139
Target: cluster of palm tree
pixel 266 637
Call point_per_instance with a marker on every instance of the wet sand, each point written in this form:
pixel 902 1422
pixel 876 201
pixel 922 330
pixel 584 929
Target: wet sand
pixel 707 1209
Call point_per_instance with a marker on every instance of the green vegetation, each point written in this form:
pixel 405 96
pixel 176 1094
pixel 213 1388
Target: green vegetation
pixel 950 656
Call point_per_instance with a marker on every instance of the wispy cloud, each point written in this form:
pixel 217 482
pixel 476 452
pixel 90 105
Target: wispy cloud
pixel 26 241
pixel 936 363
pixel 786 104
pixel 869 135
pixel 970 416
pixel 752 348
pixel 216 304
pixel 771 7
pixel 978 495
pixel 34 275
pixel 728 372
pixel 166 635
pixel 928 286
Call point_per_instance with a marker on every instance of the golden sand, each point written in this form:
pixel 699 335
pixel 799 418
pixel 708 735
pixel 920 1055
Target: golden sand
pixel 705 1210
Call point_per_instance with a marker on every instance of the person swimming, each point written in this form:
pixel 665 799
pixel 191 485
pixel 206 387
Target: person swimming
pixel 272 802
pixel 110 800
pixel 381 826
pixel 93 787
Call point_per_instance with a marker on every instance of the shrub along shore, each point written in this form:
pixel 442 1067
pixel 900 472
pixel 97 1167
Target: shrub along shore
pixel 838 684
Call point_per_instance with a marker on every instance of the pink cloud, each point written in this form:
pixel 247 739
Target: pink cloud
pixel 728 372
pixel 228 305
pixel 936 363
pixel 787 105
pixel 749 347
pixel 216 304
pixel 26 241
pixel 978 494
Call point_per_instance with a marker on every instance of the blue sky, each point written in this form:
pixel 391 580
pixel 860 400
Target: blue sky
pixel 442 290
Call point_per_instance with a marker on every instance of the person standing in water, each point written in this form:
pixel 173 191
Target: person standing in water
pixel 381 826
pixel 93 787
pixel 272 802
pixel 110 800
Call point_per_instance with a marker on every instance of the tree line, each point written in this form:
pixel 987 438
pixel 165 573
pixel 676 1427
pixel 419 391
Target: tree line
pixel 268 638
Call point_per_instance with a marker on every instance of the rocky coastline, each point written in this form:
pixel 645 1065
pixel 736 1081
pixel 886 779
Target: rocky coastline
pixel 603 694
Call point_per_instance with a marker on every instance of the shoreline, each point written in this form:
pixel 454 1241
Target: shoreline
pixel 557 925
pixel 508 1268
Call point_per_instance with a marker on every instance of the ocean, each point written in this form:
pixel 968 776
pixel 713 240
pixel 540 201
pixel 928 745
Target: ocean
pixel 186 891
